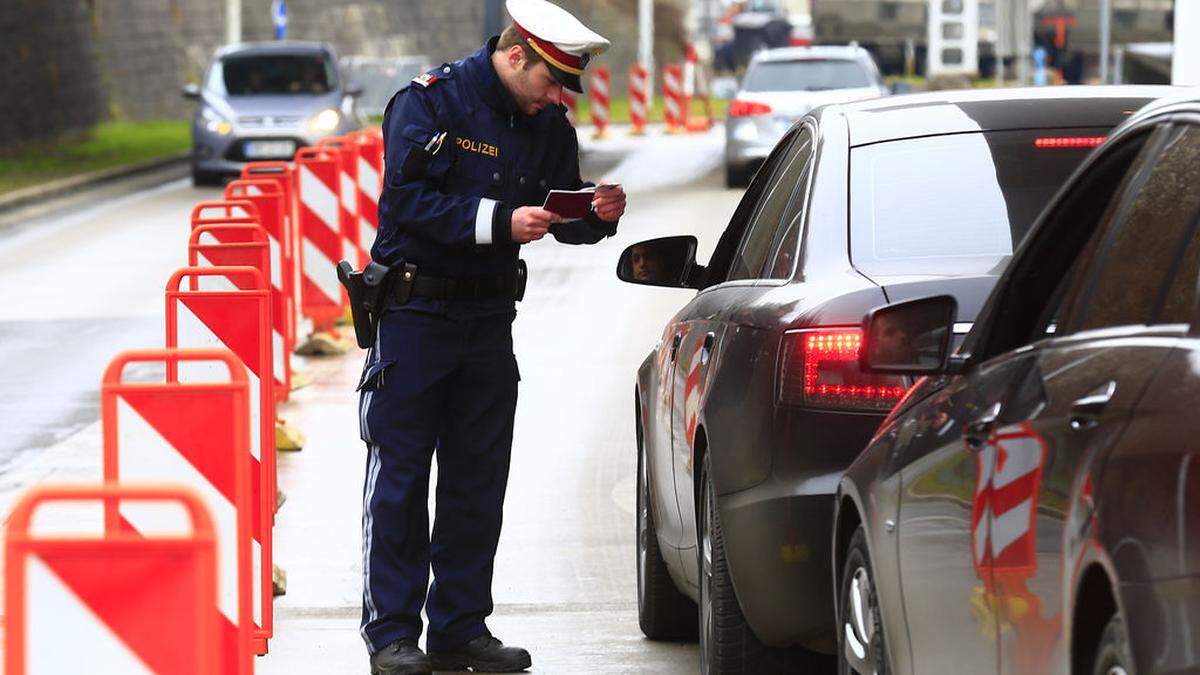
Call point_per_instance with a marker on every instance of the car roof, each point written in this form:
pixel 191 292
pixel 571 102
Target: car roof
pixel 274 47
pixel 845 52
pixel 966 110
pixel 1183 99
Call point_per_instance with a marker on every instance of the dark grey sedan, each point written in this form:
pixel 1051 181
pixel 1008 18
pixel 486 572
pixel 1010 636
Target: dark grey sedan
pixel 1031 507
pixel 264 101
pixel 753 404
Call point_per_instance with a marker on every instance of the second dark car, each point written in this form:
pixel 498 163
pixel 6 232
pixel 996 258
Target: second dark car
pixel 753 404
pixel 1031 506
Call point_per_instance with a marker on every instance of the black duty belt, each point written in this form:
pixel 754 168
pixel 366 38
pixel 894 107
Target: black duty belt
pixel 509 286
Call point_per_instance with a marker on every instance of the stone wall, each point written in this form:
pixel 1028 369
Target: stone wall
pixel 67 64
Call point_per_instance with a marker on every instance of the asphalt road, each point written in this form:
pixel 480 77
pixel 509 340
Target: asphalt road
pixel 79 287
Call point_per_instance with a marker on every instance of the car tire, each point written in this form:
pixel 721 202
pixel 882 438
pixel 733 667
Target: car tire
pixel 663 612
pixel 862 649
pixel 736 176
pixel 727 644
pixel 206 178
pixel 1112 654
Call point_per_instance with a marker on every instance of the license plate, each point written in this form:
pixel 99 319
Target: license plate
pixel 270 149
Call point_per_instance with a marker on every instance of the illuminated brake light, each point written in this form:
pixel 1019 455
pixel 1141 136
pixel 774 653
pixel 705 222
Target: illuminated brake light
pixel 1068 141
pixel 741 108
pixel 820 370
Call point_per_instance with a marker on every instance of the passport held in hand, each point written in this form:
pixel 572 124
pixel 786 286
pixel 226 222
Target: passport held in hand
pixel 572 204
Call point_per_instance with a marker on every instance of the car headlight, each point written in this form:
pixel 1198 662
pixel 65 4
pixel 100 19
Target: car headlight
pixel 215 123
pixel 325 121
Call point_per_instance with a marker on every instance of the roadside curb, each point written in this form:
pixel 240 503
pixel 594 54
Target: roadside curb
pixel 65 186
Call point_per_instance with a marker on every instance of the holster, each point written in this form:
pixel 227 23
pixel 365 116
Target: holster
pixel 367 291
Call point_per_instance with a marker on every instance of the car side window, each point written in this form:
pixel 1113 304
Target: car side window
pixel 782 259
pixel 720 265
pixel 756 243
pixel 1155 219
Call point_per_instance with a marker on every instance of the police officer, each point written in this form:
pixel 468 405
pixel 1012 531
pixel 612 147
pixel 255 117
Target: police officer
pixel 472 149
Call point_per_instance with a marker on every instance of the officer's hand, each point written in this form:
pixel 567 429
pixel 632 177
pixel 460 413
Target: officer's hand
pixel 609 203
pixel 530 223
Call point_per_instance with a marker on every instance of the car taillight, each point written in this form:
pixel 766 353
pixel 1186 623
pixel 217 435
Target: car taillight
pixel 1068 141
pixel 741 108
pixel 819 369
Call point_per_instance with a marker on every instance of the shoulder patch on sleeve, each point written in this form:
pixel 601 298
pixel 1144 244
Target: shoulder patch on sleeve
pixel 425 79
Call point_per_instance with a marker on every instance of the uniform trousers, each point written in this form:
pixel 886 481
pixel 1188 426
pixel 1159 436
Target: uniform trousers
pixel 444 385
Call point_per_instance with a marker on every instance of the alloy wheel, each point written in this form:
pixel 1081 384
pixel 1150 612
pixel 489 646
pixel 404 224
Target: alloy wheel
pixel 861 615
pixel 643 526
pixel 707 618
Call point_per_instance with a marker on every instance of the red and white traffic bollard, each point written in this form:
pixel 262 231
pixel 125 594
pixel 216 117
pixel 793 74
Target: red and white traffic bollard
pixel 639 99
pixel 600 91
pixel 674 102
pixel 568 99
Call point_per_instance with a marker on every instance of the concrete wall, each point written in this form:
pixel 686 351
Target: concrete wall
pixel 68 64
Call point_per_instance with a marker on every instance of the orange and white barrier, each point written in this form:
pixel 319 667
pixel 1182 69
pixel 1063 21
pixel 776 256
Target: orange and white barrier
pixel 318 190
pixel 284 176
pixel 674 100
pixel 600 89
pixel 234 313
pixel 370 185
pixel 639 99
pixel 347 154
pixel 114 602
pixel 196 434
pixel 569 101
pixel 693 76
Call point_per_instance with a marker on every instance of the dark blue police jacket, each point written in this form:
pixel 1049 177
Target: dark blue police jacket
pixel 453 218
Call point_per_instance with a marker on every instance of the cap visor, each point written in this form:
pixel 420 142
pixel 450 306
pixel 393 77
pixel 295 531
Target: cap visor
pixel 567 80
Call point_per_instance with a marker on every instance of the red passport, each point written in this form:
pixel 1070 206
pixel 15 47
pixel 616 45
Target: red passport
pixel 570 204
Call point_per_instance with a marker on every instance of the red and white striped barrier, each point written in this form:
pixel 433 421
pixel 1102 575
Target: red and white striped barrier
pixel 112 602
pixel 601 91
pixel 226 316
pixel 1004 511
pixel 674 103
pixel 271 200
pixel 347 154
pixel 195 434
pixel 370 185
pixel 318 190
pixel 569 101
pixel 283 175
pixel 639 99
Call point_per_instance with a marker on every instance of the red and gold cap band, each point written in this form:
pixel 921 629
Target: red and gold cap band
pixel 568 63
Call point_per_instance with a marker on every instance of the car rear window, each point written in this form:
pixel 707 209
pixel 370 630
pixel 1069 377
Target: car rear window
pixel 806 75
pixel 954 204
pixel 274 74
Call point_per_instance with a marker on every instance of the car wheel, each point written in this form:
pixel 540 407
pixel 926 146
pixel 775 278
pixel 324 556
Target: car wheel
pixel 862 649
pixel 663 612
pixel 1112 655
pixel 736 176
pixel 205 178
pixel 727 645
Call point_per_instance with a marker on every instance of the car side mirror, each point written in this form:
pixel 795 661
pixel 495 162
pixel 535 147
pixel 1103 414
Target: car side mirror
pixel 669 262
pixel 909 338
pixel 192 91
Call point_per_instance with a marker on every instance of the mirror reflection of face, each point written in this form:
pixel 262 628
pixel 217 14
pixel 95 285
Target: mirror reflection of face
pixel 891 341
pixel 646 265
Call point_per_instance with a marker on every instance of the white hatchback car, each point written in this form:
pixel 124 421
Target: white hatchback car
pixel 780 87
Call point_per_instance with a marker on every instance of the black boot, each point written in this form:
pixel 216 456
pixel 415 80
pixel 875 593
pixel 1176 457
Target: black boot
pixel 485 653
pixel 401 657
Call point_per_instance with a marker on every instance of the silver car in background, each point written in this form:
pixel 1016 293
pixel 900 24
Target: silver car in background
pixel 780 87
pixel 263 101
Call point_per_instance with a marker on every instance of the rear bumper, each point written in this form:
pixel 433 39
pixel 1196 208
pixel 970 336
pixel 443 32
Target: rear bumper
pixel 777 539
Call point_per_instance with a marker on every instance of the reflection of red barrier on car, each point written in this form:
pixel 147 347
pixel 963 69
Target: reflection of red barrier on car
pixel 691 396
pixel 195 434
pixel 129 603
pixel 1004 542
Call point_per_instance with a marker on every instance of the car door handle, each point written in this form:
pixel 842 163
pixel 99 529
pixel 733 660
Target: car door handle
pixel 708 345
pixel 1086 412
pixel 675 345
pixel 979 431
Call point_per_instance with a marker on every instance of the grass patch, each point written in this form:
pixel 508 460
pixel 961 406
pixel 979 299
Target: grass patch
pixel 108 145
